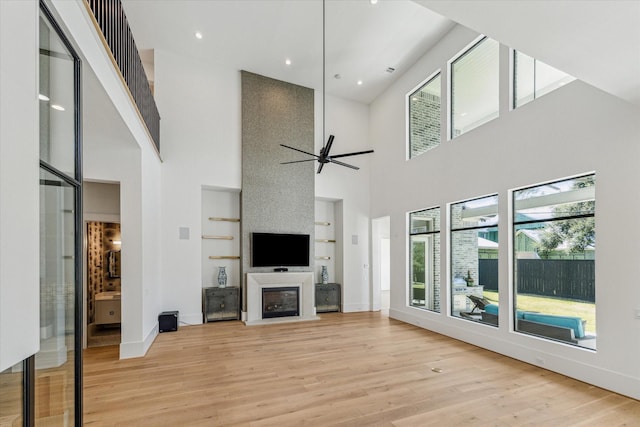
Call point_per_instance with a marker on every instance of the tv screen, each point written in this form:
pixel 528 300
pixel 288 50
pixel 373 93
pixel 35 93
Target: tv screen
pixel 279 250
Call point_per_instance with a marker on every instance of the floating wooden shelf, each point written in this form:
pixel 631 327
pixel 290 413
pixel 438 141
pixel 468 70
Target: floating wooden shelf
pixel 212 218
pixel 217 237
pixel 323 257
pixel 322 223
pixel 325 241
pixel 224 257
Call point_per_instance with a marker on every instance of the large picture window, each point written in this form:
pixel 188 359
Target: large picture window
pixel 424 117
pixel 474 238
pixel 475 87
pixel 424 247
pixel 554 255
pixel 533 78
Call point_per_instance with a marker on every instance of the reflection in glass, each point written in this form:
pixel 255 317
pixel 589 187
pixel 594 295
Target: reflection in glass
pixel 554 254
pixel 55 377
pixel 57 118
pixel 474 259
pixel 424 244
pixel 11 392
pixel 424 117
pixel 475 87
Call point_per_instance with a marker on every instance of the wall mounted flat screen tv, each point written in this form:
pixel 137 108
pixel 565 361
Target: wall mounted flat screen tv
pixel 279 250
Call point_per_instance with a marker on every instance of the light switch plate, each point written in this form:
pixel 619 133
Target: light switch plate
pixel 183 233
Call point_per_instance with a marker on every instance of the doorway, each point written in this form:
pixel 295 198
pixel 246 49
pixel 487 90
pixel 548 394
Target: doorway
pixel 102 273
pixel 381 262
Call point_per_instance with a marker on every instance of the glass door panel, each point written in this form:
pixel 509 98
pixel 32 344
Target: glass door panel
pixel 55 362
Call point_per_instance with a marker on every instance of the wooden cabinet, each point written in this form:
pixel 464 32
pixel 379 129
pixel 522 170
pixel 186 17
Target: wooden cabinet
pixel 328 297
pixel 221 304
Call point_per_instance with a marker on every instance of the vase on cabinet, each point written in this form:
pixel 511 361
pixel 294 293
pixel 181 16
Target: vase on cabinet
pixel 222 277
pixel 324 275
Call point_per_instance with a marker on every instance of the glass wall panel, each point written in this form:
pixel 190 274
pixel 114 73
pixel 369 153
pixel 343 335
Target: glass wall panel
pixel 474 259
pixel 533 78
pixel 424 117
pixel 55 362
pixel 424 241
pixel 11 393
pixel 554 255
pixel 475 87
pixel 57 115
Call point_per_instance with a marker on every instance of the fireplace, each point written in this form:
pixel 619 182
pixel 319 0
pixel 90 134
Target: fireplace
pixel 300 282
pixel 280 302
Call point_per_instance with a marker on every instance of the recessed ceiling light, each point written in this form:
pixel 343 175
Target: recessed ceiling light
pixel 359 82
pixel 463 114
pixel 42 97
pixel 414 98
pixel 287 61
pixel 337 76
pixel 373 1
pixel 198 35
pixel 57 107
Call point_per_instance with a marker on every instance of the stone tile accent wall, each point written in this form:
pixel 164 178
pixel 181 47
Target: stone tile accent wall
pixel 276 198
pixel 100 236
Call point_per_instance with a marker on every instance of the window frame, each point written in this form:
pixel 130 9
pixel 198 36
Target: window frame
pixel 513 223
pixel 429 256
pixel 450 63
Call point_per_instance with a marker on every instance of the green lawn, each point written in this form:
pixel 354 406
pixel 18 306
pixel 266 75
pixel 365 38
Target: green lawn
pixel 549 305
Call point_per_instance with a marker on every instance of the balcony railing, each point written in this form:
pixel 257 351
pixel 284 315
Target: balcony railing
pixel 112 21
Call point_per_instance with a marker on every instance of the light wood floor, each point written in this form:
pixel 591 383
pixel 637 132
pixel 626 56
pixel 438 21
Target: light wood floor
pixel 358 369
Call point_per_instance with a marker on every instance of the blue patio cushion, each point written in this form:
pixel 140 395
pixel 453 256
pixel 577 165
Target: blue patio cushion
pixel 574 323
pixel 491 309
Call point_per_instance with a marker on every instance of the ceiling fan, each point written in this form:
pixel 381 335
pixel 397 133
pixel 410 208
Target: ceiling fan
pixel 325 157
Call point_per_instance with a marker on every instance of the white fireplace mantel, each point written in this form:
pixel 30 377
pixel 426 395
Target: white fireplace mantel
pixel 302 280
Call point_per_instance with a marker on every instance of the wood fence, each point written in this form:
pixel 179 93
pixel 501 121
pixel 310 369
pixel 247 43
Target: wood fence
pixel 571 279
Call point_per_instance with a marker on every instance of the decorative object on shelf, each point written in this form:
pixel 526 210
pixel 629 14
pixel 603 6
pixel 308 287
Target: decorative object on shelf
pixel 324 274
pixel 469 279
pixel 222 277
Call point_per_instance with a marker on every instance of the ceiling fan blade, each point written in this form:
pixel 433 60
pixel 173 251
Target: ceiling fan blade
pixel 344 164
pixel 325 150
pixel 320 166
pixel 352 154
pixel 296 149
pixel 298 161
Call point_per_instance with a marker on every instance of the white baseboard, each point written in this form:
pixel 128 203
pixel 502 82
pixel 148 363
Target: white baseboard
pixel 353 308
pixel 130 350
pixel 190 319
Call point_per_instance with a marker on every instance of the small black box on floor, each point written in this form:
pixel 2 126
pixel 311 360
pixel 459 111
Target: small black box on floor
pixel 168 321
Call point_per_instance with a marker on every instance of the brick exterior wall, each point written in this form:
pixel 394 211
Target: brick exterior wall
pixel 424 122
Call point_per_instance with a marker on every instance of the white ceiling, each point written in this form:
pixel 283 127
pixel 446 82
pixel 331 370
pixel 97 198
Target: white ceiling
pixel 362 40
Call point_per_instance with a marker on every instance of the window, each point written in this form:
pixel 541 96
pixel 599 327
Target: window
pixel 475 87
pixel 474 263
pixel 424 117
pixel 554 255
pixel 533 78
pixel 424 247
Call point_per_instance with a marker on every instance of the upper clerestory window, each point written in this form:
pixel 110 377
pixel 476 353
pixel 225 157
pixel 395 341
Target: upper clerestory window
pixel 533 78
pixel 475 80
pixel 424 117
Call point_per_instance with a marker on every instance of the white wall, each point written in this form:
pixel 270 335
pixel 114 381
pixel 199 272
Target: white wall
pixel 574 130
pixel 200 128
pixel 349 122
pixel 117 148
pixel 201 146
pixel 19 190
